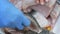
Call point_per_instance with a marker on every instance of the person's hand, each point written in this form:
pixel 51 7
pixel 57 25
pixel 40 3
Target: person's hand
pixel 42 2
pixel 11 17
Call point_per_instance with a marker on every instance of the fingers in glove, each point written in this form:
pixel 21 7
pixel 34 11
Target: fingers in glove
pixel 26 22
pixel 20 26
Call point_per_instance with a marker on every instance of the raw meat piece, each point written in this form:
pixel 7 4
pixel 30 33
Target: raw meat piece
pixel 44 10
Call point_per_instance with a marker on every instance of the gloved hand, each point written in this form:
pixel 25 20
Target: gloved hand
pixel 11 17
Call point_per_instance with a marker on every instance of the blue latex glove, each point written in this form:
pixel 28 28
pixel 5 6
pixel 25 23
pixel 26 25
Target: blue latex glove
pixel 11 17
